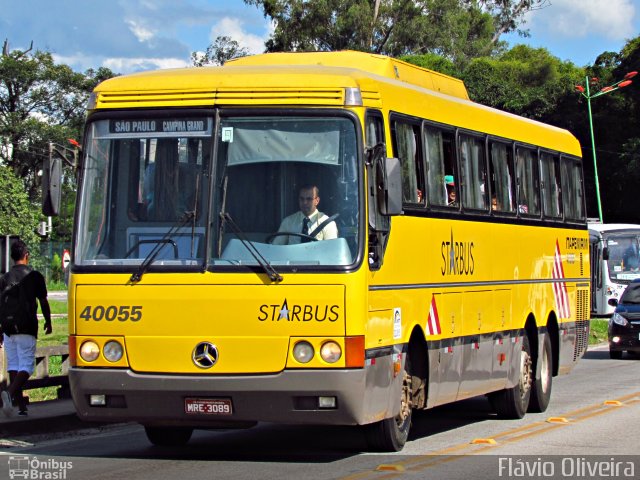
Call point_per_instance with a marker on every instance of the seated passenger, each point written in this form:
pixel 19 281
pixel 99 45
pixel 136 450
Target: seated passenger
pixel 305 221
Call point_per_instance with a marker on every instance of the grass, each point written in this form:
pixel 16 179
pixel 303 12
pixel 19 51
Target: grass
pixel 598 331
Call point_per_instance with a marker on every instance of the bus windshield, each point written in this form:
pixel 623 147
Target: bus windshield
pixel 624 259
pixel 151 189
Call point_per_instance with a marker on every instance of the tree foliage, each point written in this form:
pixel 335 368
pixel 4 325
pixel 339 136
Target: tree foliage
pixel 41 103
pixel 222 49
pixel 525 81
pixel 456 29
pixel 18 215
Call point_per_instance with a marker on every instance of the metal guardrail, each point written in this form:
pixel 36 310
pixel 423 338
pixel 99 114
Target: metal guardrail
pixel 42 376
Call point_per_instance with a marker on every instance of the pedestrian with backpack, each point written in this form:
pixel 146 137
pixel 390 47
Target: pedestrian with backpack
pixel 19 289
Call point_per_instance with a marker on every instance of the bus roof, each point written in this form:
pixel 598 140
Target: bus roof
pixel 604 228
pixel 313 79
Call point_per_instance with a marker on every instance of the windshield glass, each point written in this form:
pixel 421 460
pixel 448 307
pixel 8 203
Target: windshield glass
pixel 146 192
pixel 290 185
pixel 141 177
pixel 624 258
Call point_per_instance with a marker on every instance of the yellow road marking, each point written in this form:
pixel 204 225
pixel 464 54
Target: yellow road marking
pixel 478 446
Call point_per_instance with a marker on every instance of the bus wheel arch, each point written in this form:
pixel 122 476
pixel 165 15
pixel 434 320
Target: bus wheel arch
pixel 418 353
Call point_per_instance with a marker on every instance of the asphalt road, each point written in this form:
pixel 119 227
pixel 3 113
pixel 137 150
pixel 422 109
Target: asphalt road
pixel 593 422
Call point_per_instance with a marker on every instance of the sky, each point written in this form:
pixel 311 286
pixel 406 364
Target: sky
pixel 134 35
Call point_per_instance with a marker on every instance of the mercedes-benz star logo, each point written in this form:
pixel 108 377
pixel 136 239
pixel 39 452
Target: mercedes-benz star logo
pixel 205 355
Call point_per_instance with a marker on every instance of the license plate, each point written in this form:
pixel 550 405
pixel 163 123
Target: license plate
pixel 208 406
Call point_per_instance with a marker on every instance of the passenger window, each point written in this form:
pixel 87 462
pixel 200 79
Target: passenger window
pixel 501 177
pixel 550 174
pixel 528 183
pixel 408 147
pixel 474 173
pixel 573 189
pixel 440 167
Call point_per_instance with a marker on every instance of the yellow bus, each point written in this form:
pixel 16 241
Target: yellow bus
pixel 448 256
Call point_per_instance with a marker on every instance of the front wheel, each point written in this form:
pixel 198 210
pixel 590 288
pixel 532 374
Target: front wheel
pixel 391 434
pixel 541 389
pixel 615 354
pixel 512 403
pixel 168 436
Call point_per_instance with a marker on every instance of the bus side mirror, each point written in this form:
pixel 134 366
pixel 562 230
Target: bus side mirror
pixel 51 186
pixel 605 253
pixel 389 186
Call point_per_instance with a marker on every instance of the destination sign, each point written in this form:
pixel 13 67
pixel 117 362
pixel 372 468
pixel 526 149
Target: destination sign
pixel 166 125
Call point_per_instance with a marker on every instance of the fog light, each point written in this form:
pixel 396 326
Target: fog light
pixel 615 339
pixel 327 402
pixel 89 351
pixel 97 400
pixel 303 352
pixel 331 352
pixel 113 351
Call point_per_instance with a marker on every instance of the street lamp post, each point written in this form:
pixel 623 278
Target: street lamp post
pixel 584 91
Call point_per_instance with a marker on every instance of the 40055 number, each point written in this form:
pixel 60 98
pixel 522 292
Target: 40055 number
pixel 123 313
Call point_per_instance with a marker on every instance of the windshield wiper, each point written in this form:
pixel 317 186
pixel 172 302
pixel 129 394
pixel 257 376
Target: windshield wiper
pixel 165 240
pixel 266 266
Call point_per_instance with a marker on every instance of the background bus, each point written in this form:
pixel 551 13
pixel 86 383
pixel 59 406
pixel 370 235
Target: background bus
pixel 460 268
pixel 615 262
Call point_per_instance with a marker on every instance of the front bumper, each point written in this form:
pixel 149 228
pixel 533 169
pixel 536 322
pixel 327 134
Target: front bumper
pixel 287 397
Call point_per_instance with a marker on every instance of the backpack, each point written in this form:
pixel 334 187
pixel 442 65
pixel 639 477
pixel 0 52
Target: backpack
pixel 14 308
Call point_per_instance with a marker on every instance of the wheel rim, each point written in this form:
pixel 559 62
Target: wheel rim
pixel 405 402
pixel 525 373
pixel 545 376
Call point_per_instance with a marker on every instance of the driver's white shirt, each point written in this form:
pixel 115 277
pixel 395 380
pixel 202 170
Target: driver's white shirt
pixel 293 224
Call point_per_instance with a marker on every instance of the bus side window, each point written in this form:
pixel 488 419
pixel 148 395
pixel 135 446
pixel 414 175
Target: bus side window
pixel 501 177
pixel 408 147
pixel 572 189
pixel 440 166
pixel 550 173
pixel 473 172
pixel 528 182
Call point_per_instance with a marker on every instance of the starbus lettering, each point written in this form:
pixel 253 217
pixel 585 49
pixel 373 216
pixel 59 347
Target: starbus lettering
pixel 298 312
pixel 457 257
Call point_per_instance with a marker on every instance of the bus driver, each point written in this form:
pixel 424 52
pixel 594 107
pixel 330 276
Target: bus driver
pixel 305 221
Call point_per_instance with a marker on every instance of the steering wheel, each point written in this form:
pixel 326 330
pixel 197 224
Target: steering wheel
pixel 295 234
pixel 315 231
pixel 168 241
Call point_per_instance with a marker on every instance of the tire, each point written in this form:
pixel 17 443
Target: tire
pixel 615 354
pixel 390 435
pixel 168 436
pixel 512 403
pixel 541 388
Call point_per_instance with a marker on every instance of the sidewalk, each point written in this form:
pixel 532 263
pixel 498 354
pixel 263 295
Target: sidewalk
pixel 44 417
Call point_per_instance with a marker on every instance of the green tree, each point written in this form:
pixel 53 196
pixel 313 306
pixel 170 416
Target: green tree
pixel 525 81
pixel 456 29
pixel 222 49
pixel 18 215
pixel 40 102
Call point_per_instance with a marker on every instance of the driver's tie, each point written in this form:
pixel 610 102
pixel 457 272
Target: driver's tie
pixel 305 230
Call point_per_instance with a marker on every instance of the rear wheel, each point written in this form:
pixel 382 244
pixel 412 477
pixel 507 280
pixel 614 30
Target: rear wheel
pixel 168 436
pixel 541 389
pixel 513 402
pixel 391 434
pixel 615 354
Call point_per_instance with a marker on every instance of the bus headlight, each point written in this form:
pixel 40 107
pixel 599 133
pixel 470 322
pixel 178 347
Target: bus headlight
pixel 303 352
pixel 330 352
pixel 89 351
pixel 113 351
